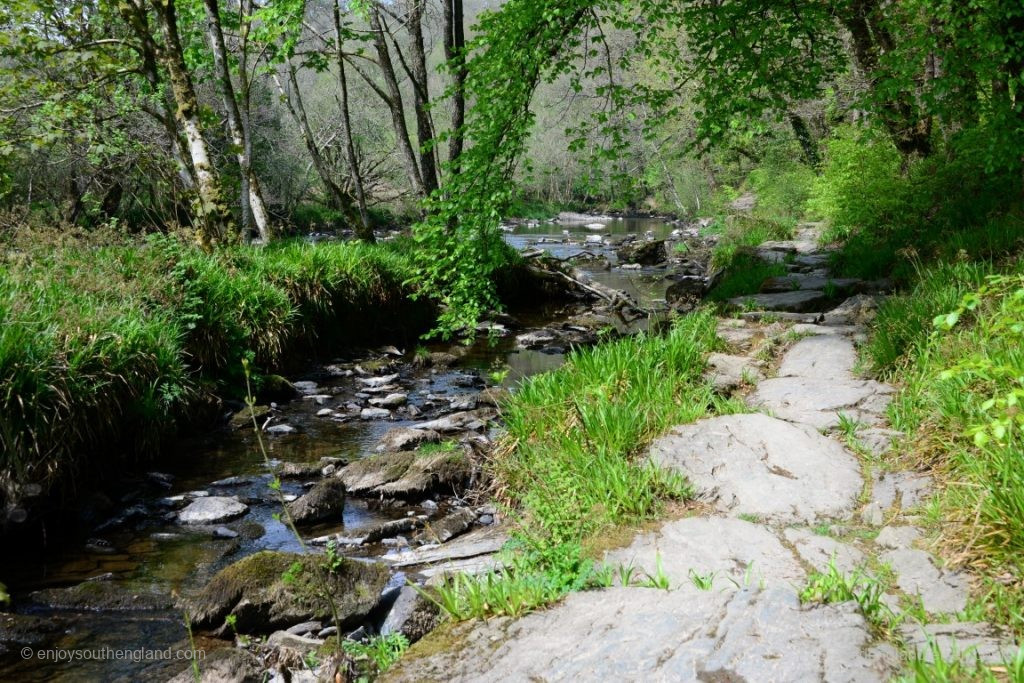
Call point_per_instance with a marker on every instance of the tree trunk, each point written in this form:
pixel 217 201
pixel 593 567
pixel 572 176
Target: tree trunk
pixel 454 48
pixel 910 132
pixel 363 230
pixel 394 102
pixel 803 136
pixel 421 97
pixel 254 211
pixel 215 226
pixel 338 198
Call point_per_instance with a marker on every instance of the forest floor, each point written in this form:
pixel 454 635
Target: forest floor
pixel 807 557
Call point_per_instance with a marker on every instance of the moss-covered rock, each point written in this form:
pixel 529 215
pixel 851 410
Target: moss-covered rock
pixel 409 475
pixel 272 590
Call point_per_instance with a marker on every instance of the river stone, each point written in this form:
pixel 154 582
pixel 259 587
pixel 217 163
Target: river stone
pixel 375 382
pixel 280 429
pixel 102 596
pixel 645 253
pixel 393 528
pixel 256 591
pixel 686 293
pixel 405 438
pixel 536 339
pixel 374 413
pixel 448 527
pixel 635 634
pixel 941 591
pixel 306 388
pixel 457 422
pixel 243 418
pixel 818 402
pixel 821 551
pixel 968 642
pixel 412 615
pixel 481 542
pixel 325 501
pixel 820 357
pixel 728 372
pixel 802 301
pixel 408 475
pixel 390 401
pixel 733 550
pixel 212 510
pixel 758 465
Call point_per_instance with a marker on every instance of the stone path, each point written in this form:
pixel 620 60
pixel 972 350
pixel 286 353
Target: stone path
pixel 787 495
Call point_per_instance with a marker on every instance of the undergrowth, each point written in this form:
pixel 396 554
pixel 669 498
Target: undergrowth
pixel 571 464
pixel 107 348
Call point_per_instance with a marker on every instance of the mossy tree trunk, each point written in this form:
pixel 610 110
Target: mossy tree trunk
pixel 213 219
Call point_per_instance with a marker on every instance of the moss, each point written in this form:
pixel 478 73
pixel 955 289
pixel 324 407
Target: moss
pixel 271 589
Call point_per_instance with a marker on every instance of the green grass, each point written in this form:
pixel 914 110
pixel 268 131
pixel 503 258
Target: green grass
pixel 745 272
pixel 962 376
pixel 571 465
pixel 834 586
pixel 107 349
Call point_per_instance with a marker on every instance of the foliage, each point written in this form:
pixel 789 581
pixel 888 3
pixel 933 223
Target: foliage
pixel 571 463
pixel 956 341
pixel 381 652
pixel 834 586
pixel 859 187
pixel 107 348
pixel 935 666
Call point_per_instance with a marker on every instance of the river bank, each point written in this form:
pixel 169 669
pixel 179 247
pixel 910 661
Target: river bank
pixel 344 403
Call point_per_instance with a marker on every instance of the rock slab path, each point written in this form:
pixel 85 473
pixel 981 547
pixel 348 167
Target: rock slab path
pixel 780 487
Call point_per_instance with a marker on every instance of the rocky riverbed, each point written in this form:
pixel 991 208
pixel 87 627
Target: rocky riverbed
pixel 379 455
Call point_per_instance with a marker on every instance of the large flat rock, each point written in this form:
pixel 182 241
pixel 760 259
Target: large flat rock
pixel 819 402
pixel 820 357
pixel 734 551
pixel 968 642
pixel 758 465
pixel 941 591
pixel 800 301
pixel 643 634
pixel 486 541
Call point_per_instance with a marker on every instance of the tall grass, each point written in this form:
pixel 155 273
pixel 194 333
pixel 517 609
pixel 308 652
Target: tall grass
pixel 957 342
pixel 106 349
pixel 572 462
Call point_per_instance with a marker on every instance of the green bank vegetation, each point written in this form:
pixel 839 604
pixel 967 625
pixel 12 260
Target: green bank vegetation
pixel 106 348
pixel 572 464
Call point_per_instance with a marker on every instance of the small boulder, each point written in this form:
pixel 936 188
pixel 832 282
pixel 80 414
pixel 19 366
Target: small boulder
pixel 390 401
pixel 449 526
pixel 374 414
pixel 325 501
pixel 408 475
pixel 405 438
pixel 273 590
pixel 651 253
pixel 102 596
pixel 212 510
